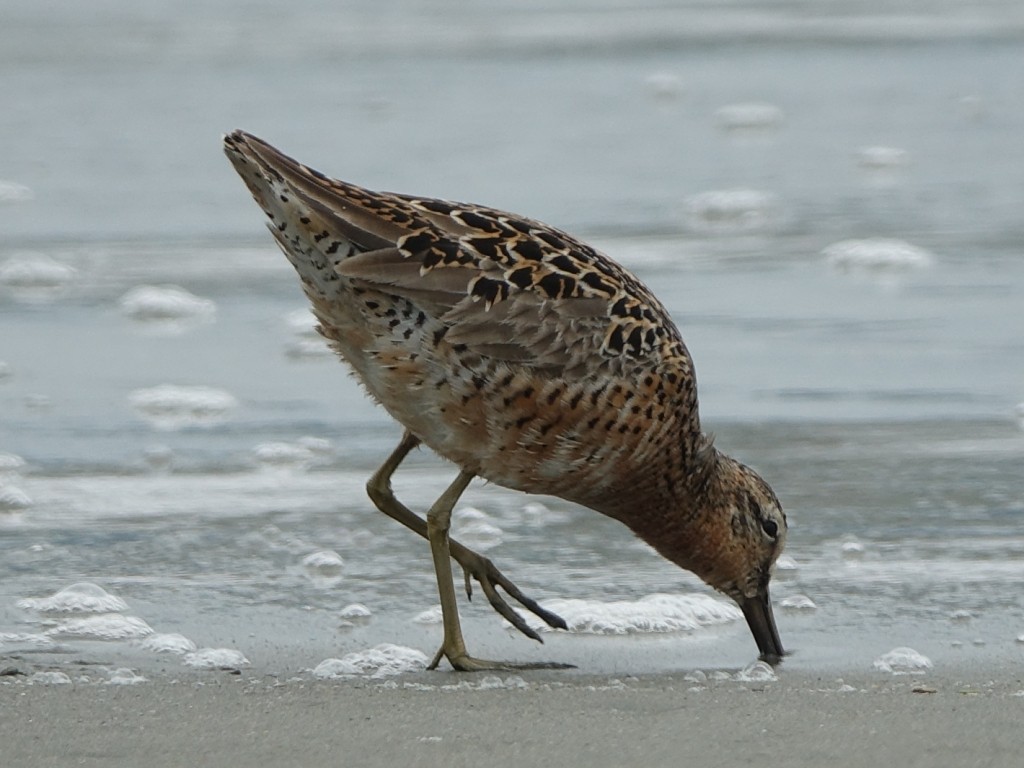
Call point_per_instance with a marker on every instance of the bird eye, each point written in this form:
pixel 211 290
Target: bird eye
pixel 770 527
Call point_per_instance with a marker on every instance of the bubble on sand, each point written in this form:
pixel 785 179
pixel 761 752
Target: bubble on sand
pixel 83 597
pixel 323 567
pixel 12 640
pixel 877 254
pixel 13 192
pixel 13 499
pixel 853 550
pixel 50 678
pixel 216 658
pixel 536 514
pixel 380 661
pixel 170 407
pixel 429 616
pixel 476 528
pixel 107 626
pixel 170 642
pixel 306 342
pixel 490 683
pixel 758 672
pixel 732 211
pixel 10 464
pixel 902 661
pixel 159 458
pixel 881 158
pixel 125 676
pixel 35 278
pixel 280 455
pixel 749 117
pixel 664 85
pixel 797 603
pixel 166 308
pixel 355 611
pixel 652 614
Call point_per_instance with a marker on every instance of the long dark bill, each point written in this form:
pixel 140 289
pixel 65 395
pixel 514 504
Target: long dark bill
pixel 758 612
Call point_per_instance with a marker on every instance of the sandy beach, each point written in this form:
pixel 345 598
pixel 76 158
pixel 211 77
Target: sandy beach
pixel 446 719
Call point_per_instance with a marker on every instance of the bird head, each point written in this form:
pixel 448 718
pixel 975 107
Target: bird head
pixel 752 531
pixel 732 542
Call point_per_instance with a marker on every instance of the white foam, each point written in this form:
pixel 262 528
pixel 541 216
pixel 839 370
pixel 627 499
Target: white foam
pixel 167 308
pixel 664 85
pixel 125 676
pixel 107 626
pixel 902 661
pixel 35 278
pixel 323 567
pixel 656 613
pixel 786 563
pixel 961 616
pixel 306 342
pixel 1020 638
pixel 476 529
pixel 380 661
pixel 429 616
pixel 758 672
pixel 487 683
pixel 877 254
pixel 881 158
pixel 749 116
pixel 11 464
pixel 171 642
pixel 12 192
pixel 83 597
pixel 17 639
pixel 281 455
pixel 216 658
pixel 159 458
pixel 798 603
pixel 170 407
pixel 50 678
pixel 851 549
pixel 13 499
pixel 732 211
pixel 355 611
pixel 537 515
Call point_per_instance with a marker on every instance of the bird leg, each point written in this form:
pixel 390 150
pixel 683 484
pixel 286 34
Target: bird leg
pixel 473 564
pixel 454 647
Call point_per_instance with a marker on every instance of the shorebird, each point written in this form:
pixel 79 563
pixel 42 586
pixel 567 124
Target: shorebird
pixel 527 358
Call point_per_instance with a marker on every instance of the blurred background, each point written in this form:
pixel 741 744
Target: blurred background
pixel 826 195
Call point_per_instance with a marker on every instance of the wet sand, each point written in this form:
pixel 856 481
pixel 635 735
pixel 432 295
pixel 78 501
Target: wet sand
pixel 557 719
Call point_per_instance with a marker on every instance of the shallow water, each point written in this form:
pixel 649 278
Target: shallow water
pixel 196 454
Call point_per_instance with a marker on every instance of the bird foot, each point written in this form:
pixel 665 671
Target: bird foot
pixel 463 662
pixel 489 577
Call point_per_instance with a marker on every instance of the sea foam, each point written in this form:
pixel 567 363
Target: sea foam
pixel 656 613
pixel 166 308
pixel 83 597
pixel 902 661
pixel 170 407
pixel 107 626
pixel 380 661
pixel 732 211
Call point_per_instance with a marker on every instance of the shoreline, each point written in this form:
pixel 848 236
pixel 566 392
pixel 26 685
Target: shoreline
pixel 955 717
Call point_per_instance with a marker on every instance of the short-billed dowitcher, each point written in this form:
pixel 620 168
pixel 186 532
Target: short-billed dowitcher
pixel 527 358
